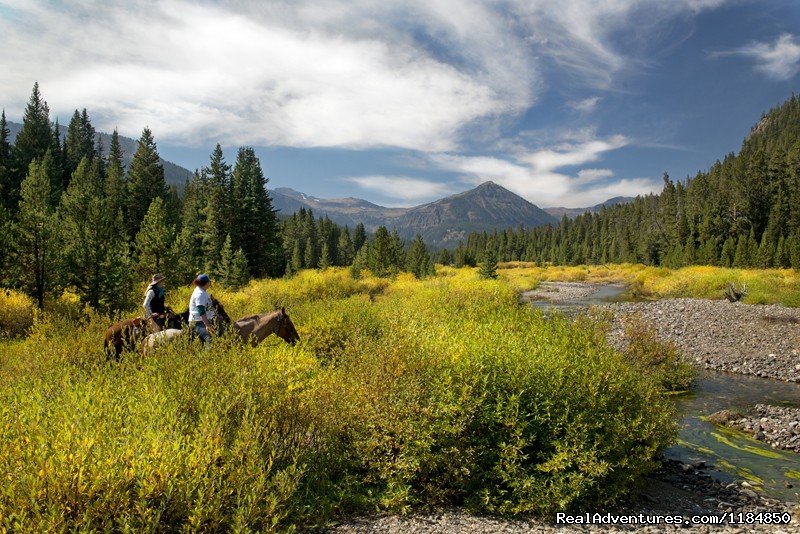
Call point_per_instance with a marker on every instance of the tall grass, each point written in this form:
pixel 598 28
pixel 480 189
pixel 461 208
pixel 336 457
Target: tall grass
pixel 400 393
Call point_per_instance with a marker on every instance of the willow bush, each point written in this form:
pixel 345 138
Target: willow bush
pixel 400 393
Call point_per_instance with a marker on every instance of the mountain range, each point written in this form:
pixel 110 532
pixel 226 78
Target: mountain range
pixel 442 222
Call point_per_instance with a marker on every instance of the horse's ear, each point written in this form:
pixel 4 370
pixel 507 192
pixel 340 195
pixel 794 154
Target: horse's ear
pixel 283 310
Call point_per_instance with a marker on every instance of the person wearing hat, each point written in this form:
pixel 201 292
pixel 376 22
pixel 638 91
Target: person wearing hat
pixel 201 312
pixel 155 308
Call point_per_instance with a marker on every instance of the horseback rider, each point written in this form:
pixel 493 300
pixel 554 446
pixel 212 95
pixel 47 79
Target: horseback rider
pixel 155 308
pixel 201 311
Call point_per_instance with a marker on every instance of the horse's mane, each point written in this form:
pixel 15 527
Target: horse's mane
pixel 257 316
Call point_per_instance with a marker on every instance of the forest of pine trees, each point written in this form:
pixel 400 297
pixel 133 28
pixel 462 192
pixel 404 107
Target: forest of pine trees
pixel 73 217
pixel 743 212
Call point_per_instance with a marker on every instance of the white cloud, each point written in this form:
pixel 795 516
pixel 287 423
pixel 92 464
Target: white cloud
pixel 779 61
pixel 587 105
pixel 407 190
pixel 304 74
pixel 419 75
pixel 539 174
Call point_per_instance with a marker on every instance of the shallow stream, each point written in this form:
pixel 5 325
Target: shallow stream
pixel 727 453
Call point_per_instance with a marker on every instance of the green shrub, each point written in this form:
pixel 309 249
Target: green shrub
pixel 658 359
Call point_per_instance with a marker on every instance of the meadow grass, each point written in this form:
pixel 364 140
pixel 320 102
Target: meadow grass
pixel 401 392
pixel 765 286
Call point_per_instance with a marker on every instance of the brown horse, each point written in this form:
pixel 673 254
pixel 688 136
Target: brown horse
pixel 255 328
pixel 124 335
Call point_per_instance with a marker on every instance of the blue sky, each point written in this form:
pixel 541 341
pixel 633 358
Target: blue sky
pixel 566 103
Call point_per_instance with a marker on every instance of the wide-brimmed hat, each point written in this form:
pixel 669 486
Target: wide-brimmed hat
pixel 157 278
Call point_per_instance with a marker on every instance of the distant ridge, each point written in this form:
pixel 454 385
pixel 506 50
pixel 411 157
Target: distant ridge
pixel 441 223
pixel 574 212
pixel 173 174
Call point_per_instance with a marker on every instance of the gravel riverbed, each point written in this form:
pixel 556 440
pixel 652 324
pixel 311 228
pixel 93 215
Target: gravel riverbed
pixel 760 340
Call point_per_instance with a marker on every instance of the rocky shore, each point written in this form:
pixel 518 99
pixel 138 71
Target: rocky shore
pixel 741 338
pixel 777 426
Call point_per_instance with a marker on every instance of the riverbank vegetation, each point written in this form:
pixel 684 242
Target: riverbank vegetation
pixel 764 286
pixel 402 392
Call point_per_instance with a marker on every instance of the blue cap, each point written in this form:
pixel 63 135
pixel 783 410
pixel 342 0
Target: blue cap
pixel 203 279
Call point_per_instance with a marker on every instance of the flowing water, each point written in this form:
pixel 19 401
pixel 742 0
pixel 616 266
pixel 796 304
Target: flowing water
pixel 727 453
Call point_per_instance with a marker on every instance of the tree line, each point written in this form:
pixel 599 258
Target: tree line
pixel 743 212
pixel 74 217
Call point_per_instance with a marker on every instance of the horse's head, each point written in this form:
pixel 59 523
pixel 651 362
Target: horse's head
pixel 175 320
pixel 219 310
pixel 285 328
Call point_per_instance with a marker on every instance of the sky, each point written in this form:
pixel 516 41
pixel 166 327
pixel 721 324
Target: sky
pixel 565 103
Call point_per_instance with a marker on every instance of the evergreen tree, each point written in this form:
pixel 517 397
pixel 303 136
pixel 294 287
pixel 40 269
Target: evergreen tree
pixel 418 260
pixel 233 270
pixel 115 184
pixel 79 143
pixel 297 258
pixel 346 252
pixel 38 247
pixel 310 255
pixel 380 259
pixel 325 257
pixel 6 163
pixel 445 257
pixel 145 182
pixel 217 210
pixel 154 239
pixel 117 272
pixel 488 267
pixel 86 230
pixel 359 237
pixel 32 141
pixel 255 225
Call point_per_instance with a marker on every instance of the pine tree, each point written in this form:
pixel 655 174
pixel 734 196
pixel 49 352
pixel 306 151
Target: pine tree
pixel 79 143
pixel 38 248
pixel 117 272
pixel 445 257
pixel 6 163
pixel 297 258
pixel 145 182
pixel 217 210
pixel 417 259
pixel 325 257
pixel 380 259
pixel 488 267
pixel 32 141
pixel 233 270
pixel 310 255
pixel 359 237
pixel 255 225
pixel 346 253
pixel 154 239
pixel 115 183
pixel 86 230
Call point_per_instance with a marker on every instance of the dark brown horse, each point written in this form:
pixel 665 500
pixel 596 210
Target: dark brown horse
pixel 255 328
pixel 124 335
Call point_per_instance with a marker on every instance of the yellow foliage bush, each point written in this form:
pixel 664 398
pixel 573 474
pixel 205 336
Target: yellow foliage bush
pixel 16 313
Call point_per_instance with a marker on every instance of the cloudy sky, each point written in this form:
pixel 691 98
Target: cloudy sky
pixel 566 103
